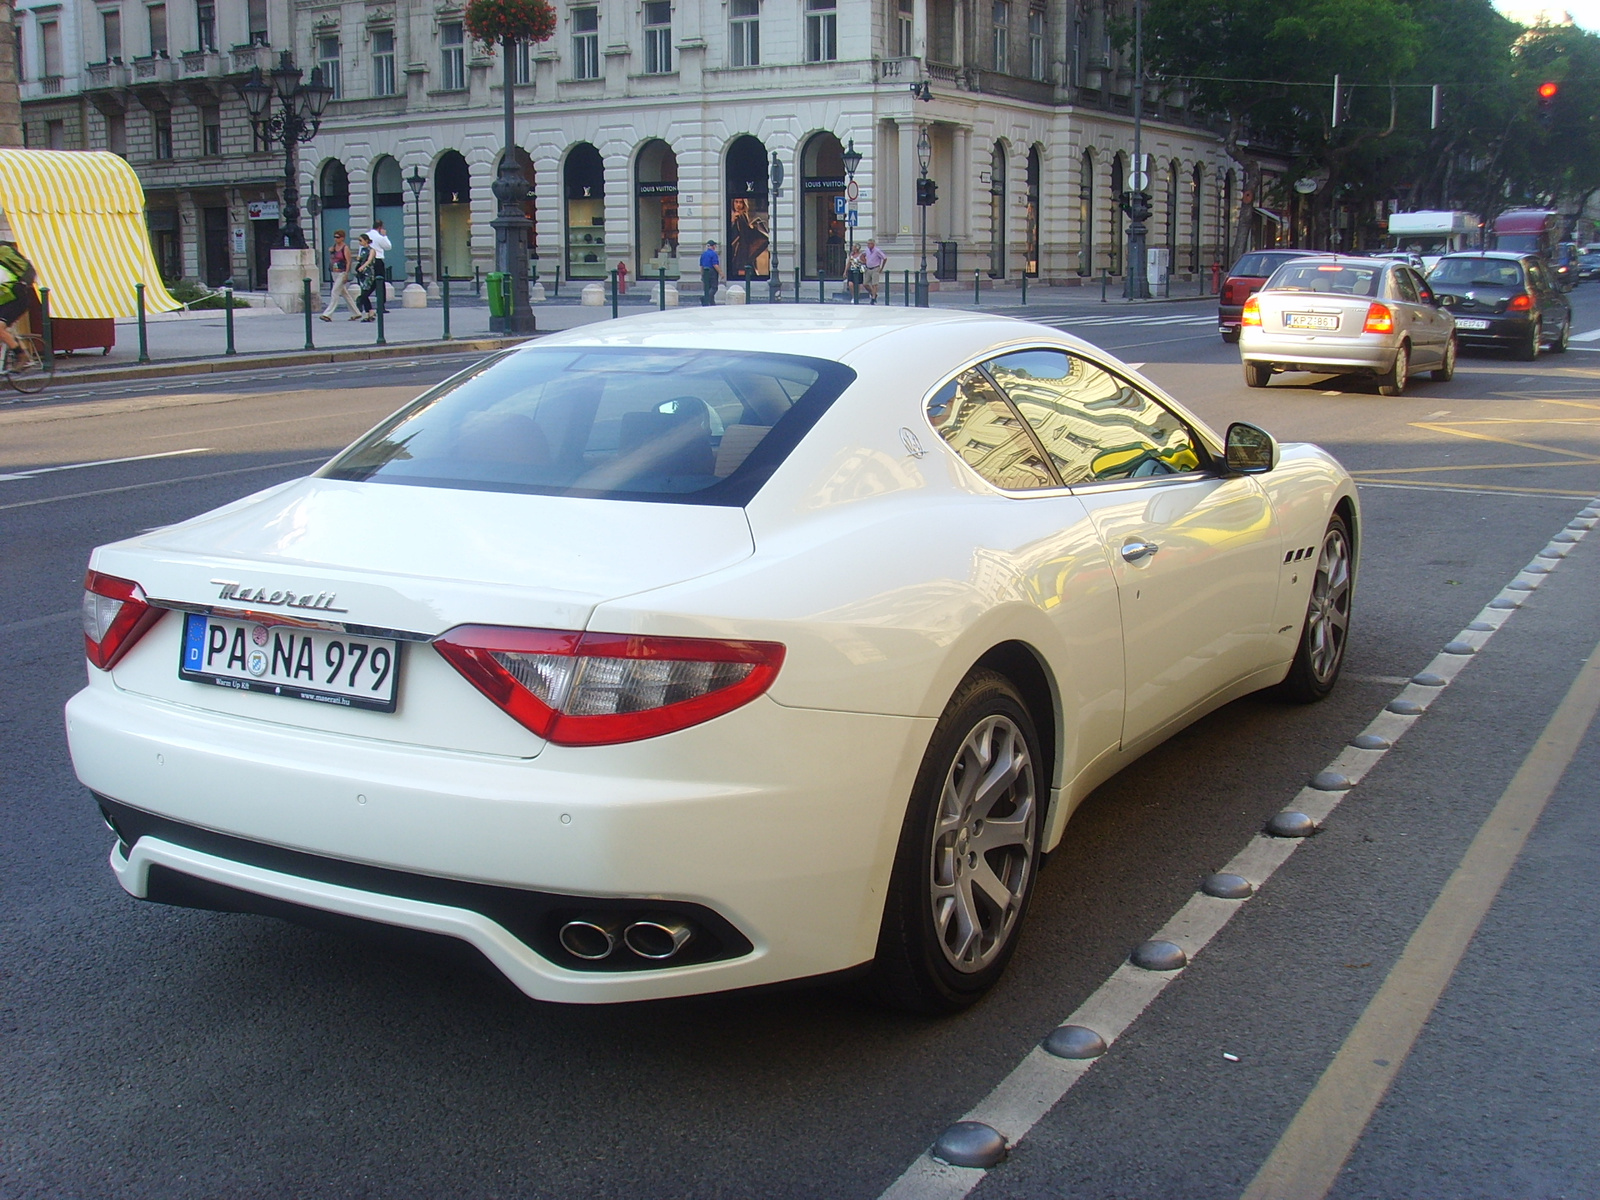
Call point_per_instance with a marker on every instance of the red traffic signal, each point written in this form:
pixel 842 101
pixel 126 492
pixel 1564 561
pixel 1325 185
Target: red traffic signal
pixel 1548 90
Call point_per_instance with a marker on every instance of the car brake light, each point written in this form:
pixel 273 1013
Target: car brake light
pixel 597 689
pixel 1521 303
pixel 1252 312
pixel 115 616
pixel 1379 319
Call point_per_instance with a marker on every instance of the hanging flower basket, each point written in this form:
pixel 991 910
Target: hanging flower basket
pixel 507 21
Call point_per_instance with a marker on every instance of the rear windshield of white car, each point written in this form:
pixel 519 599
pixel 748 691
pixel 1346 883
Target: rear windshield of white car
pixel 1260 265
pixel 1477 272
pixel 1338 279
pixel 634 423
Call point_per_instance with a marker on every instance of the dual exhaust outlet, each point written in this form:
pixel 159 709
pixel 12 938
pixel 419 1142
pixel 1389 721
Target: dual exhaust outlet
pixel 593 940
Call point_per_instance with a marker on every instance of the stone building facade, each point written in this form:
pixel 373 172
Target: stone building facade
pixel 648 126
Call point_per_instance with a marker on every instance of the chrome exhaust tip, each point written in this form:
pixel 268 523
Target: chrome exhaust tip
pixel 656 939
pixel 587 940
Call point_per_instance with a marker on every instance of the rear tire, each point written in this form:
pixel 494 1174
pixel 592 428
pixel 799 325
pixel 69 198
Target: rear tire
pixel 25 366
pixel 1446 371
pixel 1230 335
pixel 968 853
pixel 1394 383
pixel 1320 655
pixel 1529 349
pixel 1257 375
pixel 1559 346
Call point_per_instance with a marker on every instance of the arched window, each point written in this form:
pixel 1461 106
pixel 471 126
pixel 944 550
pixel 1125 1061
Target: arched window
pixel 452 214
pixel 997 212
pixel 389 206
pixel 584 184
pixel 1118 186
pixel 1031 250
pixel 822 232
pixel 655 210
pixel 1086 214
pixel 334 185
pixel 1174 169
pixel 1196 191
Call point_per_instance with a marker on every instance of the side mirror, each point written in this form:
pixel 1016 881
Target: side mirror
pixel 1250 450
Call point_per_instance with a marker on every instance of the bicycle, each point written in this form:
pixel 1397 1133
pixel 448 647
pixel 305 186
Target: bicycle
pixel 25 368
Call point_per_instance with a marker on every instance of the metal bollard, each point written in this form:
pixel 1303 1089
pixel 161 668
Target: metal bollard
pixel 444 299
pixel 905 295
pixel 1024 289
pixel 1104 280
pixel 382 294
pixel 48 332
pixel 661 283
pixel 305 295
pixel 797 285
pixel 613 293
pixel 477 280
pixel 977 296
pixel 822 294
pixel 144 344
pixel 227 315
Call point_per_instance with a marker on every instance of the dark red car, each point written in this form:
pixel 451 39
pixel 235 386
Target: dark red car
pixel 1245 280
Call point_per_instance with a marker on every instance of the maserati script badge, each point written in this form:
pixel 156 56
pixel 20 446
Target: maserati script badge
pixel 239 594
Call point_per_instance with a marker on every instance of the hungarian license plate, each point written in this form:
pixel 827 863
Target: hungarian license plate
pixel 285 660
pixel 1471 323
pixel 1309 321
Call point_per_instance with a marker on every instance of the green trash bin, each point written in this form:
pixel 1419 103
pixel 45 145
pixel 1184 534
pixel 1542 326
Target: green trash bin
pixel 498 290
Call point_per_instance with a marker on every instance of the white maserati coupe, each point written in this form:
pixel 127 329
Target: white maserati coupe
pixel 704 650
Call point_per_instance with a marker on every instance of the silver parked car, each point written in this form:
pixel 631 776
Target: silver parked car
pixel 1368 316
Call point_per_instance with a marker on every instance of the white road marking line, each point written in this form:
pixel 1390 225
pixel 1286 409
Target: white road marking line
pixel 35 622
pixel 1134 366
pixel 105 462
pixel 1592 335
pixel 139 487
pixel 1461 491
pixel 1039 1081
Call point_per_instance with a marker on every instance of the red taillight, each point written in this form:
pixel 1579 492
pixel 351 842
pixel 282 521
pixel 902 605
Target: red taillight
pixel 1520 303
pixel 1379 319
pixel 1252 313
pixel 595 689
pixel 115 616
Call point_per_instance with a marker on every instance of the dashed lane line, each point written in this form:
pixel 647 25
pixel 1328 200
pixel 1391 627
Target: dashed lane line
pixel 103 462
pixel 1041 1079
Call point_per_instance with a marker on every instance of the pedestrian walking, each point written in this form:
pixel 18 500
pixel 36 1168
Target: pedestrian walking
pixel 381 245
pixel 872 263
pixel 367 277
pixel 339 264
pixel 854 272
pixel 710 273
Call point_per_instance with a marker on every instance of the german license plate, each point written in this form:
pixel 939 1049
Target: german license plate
pixel 1309 321
pixel 285 660
pixel 1471 323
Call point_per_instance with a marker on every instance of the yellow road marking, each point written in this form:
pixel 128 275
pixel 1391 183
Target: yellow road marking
pixel 1308 1158
pixel 1477 487
pixel 1484 437
pixel 1583 462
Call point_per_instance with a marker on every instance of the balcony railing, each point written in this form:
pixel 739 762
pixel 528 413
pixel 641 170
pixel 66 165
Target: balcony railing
pixel 50 85
pixel 244 58
pixel 153 68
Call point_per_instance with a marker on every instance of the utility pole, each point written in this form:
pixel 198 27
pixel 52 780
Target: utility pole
pixel 1138 204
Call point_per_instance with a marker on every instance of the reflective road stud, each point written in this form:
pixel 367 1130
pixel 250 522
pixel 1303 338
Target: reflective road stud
pixel 970 1144
pixel 1224 885
pixel 1075 1041
pixel 1159 955
pixel 1290 824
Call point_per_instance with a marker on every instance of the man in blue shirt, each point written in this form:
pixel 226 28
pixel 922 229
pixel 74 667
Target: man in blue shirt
pixel 710 272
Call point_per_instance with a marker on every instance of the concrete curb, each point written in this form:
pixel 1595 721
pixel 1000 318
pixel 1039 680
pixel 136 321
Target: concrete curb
pixel 283 358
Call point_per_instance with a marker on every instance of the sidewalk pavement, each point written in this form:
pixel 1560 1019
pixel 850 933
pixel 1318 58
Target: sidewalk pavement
pixel 194 342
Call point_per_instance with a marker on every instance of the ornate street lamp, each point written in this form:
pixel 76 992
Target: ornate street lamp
pixel 852 159
pixel 300 108
pixel 774 280
pixel 415 181
pixel 1137 203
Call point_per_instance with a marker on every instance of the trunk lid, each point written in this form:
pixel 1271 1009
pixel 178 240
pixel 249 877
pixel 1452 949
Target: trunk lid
pixel 414 561
pixel 1319 315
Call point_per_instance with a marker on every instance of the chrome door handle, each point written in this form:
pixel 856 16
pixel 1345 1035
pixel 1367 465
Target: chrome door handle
pixel 1134 551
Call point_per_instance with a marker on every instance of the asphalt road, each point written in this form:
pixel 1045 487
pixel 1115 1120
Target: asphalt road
pixel 147 1051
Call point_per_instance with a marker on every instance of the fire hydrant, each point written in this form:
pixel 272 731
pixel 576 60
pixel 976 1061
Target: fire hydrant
pixel 622 278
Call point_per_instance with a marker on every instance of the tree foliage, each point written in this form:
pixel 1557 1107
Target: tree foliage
pixel 1264 69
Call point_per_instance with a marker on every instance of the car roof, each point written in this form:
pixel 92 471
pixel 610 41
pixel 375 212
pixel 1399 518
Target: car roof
pixel 840 333
pixel 1508 255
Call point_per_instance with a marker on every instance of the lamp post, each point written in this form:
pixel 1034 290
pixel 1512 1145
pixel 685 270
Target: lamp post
pixel 852 160
pixel 925 200
pixel 415 181
pixel 300 108
pixel 774 280
pixel 1138 205
pixel 511 226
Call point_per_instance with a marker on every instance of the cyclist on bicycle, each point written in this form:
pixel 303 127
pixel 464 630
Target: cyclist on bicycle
pixel 16 290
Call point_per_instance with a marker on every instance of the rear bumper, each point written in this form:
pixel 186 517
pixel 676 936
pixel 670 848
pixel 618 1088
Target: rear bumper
pixel 1500 329
pixel 1366 353
pixel 781 822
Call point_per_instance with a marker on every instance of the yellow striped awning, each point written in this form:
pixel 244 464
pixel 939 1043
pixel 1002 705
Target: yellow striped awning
pixel 78 217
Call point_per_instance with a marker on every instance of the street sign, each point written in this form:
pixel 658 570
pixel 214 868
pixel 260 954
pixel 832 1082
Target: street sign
pixel 851 218
pixel 852 191
pixel 838 206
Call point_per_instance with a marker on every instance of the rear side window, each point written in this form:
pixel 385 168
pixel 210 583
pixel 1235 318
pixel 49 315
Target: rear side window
pixel 635 423
pixel 1262 263
pixel 1477 272
pixel 1338 279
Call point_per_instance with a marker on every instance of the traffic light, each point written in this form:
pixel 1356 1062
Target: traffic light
pixel 927 192
pixel 1547 100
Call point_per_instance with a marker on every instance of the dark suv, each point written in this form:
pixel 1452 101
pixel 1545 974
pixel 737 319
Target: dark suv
pixel 1245 280
pixel 1501 298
